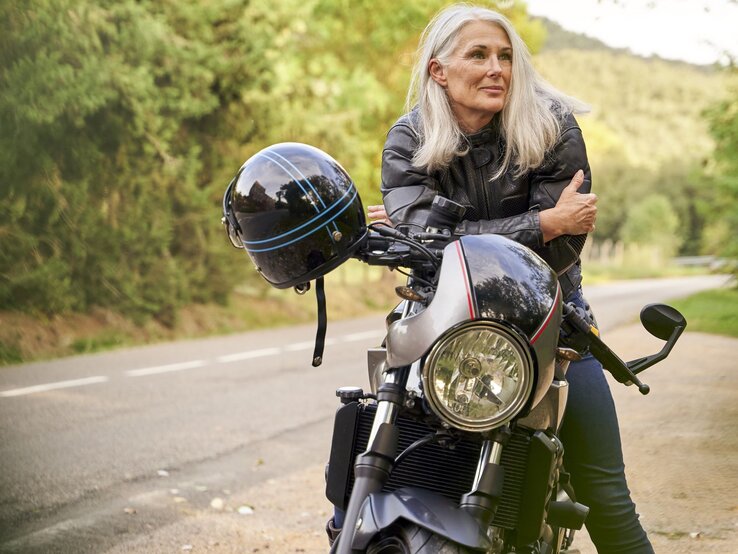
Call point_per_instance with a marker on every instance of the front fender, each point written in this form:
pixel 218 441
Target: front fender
pixel 423 508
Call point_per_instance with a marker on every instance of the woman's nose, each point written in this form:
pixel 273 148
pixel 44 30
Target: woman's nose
pixel 494 67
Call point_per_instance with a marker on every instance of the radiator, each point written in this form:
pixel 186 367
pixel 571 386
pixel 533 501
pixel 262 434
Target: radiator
pixel 449 472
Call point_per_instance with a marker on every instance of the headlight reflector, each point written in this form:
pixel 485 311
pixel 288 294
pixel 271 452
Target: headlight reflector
pixel 478 376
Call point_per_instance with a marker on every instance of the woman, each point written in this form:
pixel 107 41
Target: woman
pixel 490 133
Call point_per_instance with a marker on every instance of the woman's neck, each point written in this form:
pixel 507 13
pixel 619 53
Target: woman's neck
pixel 472 123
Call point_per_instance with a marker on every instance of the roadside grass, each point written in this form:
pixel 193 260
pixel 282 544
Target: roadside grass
pixel 353 293
pixel 712 311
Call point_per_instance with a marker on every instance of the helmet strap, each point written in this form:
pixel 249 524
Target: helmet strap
pixel 322 323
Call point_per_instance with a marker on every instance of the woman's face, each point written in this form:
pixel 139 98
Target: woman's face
pixel 477 75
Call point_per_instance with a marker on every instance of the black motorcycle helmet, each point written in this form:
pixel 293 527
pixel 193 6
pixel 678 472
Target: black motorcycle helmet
pixel 295 211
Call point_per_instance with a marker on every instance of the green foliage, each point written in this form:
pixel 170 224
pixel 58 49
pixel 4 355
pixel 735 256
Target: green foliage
pixel 9 354
pixel 723 172
pixel 123 120
pixel 653 221
pixel 98 162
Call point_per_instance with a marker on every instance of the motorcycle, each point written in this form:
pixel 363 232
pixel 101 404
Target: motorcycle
pixel 455 448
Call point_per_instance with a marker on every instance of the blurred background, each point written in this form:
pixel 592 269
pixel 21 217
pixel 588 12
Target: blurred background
pixel 122 123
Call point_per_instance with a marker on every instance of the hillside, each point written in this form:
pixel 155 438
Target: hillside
pixel 646 133
pixel 558 38
pixel 653 108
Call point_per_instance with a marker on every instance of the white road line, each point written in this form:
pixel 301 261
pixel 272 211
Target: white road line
pixel 307 345
pixel 249 355
pixel 54 386
pixel 164 368
pixel 363 336
pixel 155 370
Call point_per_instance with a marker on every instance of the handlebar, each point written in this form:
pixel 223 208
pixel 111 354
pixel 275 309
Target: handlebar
pixel 389 247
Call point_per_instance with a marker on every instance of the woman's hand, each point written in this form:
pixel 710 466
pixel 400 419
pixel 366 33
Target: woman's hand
pixel 377 214
pixel 574 214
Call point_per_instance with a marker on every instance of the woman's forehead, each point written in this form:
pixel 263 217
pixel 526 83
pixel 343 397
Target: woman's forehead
pixel 482 33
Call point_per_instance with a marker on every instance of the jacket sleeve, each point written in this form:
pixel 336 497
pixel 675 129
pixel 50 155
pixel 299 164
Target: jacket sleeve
pixel 524 228
pixel 546 185
pixel 408 193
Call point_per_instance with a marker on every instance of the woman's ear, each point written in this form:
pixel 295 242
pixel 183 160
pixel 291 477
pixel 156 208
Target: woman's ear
pixel 437 72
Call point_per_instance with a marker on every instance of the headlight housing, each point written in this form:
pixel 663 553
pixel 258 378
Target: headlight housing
pixel 478 376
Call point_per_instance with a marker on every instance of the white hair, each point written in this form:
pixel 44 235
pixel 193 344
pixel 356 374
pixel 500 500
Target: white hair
pixel 529 119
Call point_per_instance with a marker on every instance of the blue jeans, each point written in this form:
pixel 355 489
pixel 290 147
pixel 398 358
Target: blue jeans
pixel 594 457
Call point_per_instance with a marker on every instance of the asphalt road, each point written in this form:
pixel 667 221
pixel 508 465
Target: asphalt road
pixel 88 440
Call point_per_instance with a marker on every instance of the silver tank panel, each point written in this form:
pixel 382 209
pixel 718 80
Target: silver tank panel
pixel 408 339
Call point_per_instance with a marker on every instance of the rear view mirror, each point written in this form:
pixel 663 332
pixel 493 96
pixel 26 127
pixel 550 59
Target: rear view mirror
pixel 661 320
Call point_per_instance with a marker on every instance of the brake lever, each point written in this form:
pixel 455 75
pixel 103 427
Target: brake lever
pixel 609 359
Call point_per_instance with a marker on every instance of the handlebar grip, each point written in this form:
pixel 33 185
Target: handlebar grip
pixel 445 214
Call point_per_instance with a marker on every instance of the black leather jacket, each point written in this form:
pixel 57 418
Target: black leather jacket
pixel 506 206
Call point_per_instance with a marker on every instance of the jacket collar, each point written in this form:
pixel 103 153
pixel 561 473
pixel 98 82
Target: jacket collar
pixel 487 134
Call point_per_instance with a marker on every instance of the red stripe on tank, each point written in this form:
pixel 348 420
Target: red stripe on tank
pixel 538 333
pixel 469 299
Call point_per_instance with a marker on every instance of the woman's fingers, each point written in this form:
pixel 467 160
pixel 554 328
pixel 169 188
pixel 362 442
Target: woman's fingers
pixel 576 181
pixel 377 214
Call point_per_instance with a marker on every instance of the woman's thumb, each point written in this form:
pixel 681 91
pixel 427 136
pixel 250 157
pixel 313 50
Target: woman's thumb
pixel 577 180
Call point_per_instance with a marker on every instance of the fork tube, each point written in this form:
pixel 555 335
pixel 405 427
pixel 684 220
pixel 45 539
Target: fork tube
pixel 490 454
pixel 482 501
pixel 386 410
pixel 372 468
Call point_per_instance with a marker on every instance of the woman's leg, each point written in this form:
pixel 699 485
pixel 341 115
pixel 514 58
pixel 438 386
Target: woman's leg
pixel 593 455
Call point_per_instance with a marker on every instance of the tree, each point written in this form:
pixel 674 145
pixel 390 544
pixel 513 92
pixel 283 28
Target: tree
pixel 653 222
pixel 723 172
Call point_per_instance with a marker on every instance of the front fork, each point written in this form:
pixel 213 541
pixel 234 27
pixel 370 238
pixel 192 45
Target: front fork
pixel 482 501
pixel 373 468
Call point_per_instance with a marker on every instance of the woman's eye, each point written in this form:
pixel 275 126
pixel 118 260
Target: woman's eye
pixel 478 55
pixel 506 57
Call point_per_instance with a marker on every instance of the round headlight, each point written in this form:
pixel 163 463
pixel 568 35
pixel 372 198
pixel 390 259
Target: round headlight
pixel 478 376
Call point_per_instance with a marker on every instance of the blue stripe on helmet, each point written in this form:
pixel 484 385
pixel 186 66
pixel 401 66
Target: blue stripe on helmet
pixel 287 171
pixel 301 174
pixel 313 219
pixel 310 232
pixel 306 180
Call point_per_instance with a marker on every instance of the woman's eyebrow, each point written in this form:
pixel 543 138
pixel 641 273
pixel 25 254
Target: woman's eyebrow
pixel 485 47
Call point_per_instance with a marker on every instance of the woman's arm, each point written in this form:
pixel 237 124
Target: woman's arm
pixel 407 191
pixel 561 190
